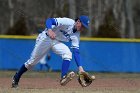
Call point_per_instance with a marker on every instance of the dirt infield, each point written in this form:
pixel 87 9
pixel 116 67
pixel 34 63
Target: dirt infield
pixel 49 83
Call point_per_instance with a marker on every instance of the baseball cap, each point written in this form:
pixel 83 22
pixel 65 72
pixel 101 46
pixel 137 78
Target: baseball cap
pixel 84 20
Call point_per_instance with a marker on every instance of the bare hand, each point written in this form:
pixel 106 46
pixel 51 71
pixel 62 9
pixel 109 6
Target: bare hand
pixel 51 34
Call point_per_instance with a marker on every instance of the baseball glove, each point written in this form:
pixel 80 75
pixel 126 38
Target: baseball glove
pixel 84 79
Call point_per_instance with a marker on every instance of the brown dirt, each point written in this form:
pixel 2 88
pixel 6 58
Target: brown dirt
pixel 53 83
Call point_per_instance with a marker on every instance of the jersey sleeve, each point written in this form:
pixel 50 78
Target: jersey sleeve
pixel 50 22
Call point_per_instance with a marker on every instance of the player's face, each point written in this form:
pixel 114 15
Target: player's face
pixel 79 26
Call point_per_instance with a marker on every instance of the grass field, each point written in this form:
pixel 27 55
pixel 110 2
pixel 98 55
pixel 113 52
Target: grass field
pixel 48 82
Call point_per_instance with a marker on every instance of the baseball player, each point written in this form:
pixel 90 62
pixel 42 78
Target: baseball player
pixel 57 31
pixel 44 62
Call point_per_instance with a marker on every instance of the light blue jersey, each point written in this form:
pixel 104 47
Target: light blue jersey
pixel 63 29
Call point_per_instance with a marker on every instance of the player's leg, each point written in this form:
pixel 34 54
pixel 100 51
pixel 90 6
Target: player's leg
pixel 17 76
pixel 66 54
pixel 41 67
pixel 41 47
pixel 42 62
pixel 48 67
pixel 28 65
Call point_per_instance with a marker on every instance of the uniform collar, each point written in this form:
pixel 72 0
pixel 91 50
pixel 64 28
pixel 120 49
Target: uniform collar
pixel 74 30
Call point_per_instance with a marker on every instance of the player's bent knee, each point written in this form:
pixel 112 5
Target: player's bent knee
pixel 29 64
pixel 67 56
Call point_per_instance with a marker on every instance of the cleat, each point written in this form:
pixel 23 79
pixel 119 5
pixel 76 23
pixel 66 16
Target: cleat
pixel 67 78
pixel 14 83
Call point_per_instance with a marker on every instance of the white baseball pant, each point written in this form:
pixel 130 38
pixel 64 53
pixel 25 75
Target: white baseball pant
pixel 42 47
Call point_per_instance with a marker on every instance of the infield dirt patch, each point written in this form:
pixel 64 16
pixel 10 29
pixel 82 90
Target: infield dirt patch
pixel 36 81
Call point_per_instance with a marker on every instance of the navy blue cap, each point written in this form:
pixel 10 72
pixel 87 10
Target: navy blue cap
pixel 84 20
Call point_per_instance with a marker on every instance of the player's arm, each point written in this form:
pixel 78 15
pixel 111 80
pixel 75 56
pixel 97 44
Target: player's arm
pixel 49 23
pixel 77 58
pixel 76 53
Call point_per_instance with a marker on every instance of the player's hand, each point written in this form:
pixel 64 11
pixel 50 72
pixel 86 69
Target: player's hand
pixel 51 34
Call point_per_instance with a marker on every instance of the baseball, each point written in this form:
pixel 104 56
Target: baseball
pixel 93 77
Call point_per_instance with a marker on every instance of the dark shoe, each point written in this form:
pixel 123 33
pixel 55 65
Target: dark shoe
pixel 67 78
pixel 15 82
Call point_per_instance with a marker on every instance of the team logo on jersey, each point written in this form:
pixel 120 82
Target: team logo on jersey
pixel 65 34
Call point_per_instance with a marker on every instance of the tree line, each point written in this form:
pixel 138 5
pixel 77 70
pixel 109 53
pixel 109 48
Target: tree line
pixel 108 18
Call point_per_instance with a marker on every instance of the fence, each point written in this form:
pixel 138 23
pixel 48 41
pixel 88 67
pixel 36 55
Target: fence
pixel 97 54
